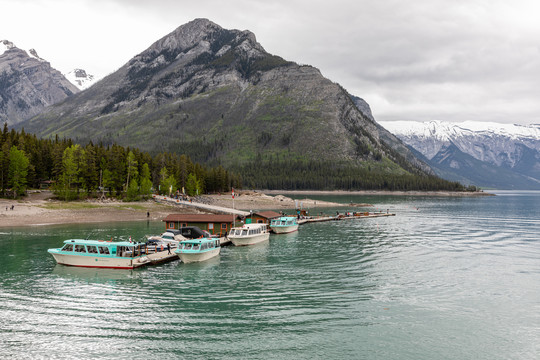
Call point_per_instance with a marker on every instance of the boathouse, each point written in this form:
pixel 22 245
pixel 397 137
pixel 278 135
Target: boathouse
pixel 262 217
pixel 214 224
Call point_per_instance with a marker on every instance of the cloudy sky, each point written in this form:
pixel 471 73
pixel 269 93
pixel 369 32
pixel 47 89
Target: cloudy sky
pixel 450 60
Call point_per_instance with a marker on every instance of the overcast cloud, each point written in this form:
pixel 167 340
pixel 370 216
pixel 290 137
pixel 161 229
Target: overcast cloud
pixel 411 60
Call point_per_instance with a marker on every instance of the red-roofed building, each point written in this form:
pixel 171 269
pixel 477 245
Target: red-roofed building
pixel 263 217
pixel 214 224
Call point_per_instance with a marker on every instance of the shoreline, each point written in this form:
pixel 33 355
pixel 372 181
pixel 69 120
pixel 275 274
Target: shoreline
pixel 39 208
pixel 378 192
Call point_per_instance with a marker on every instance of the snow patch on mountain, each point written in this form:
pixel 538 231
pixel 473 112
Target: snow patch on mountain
pixel 496 143
pixel 80 78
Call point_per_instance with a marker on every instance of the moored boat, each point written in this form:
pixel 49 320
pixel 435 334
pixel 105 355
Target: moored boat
pixel 284 224
pixel 101 254
pixel 249 234
pixel 196 250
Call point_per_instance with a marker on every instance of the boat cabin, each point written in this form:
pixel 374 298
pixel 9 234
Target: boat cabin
pixel 103 248
pixel 199 244
pixel 248 230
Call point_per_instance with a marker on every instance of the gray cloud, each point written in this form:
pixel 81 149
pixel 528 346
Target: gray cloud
pixel 418 60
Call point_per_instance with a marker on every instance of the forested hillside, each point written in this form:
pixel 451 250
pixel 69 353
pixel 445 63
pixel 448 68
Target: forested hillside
pixel 76 171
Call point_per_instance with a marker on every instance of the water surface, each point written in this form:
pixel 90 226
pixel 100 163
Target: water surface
pixel 446 278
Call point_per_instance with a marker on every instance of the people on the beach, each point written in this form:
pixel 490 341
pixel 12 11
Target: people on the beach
pixel 169 248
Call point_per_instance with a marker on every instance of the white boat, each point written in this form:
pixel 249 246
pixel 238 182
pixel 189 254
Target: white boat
pixel 168 237
pixel 284 224
pixel 196 250
pixel 249 234
pixel 101 254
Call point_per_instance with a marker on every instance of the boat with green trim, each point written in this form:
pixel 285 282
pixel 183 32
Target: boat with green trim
pixel 284 224
pixel 101 254
pixel 196 250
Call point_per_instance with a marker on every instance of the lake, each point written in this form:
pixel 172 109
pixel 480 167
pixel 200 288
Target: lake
pixel 446 278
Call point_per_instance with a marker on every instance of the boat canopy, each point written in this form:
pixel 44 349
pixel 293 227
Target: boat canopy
pixel 102 242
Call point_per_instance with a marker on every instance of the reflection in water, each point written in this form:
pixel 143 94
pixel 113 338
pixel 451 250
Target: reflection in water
pixel 95 274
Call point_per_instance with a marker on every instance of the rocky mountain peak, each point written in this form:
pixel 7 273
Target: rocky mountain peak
pixel 34 54
pixel 28 84
pixel 5 45
pixel 198 37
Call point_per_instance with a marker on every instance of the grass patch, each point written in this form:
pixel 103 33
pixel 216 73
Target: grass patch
pixel 69 206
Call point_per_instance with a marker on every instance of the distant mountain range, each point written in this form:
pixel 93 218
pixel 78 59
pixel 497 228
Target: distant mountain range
pixel 219 97
pixel 503 156
pixel 28 84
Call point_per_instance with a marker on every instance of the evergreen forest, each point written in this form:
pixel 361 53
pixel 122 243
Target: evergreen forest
pixel 74 171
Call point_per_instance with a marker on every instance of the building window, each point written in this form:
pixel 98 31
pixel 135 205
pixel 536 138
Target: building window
pixel 210 226
pixel 170 225
pixel 224 226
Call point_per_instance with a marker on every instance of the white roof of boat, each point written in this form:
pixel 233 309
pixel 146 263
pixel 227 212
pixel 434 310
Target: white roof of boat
pixel 101 242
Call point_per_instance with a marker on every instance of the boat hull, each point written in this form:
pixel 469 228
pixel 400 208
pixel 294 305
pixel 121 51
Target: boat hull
pixel 249 240
pixel 284 229
pixel 98 262
pixel 192 257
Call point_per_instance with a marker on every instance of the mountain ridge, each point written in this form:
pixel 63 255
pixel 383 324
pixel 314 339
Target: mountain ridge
pixel 511 152
pixel 28 84
pixel 219 97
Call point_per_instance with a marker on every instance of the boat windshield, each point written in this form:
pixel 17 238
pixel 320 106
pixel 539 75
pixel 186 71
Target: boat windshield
pixel 68 247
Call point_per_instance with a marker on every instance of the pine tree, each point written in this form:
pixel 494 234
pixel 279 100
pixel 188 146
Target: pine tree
pixel 18 170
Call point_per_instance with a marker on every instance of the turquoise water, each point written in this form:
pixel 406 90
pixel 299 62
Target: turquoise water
pixel 446 278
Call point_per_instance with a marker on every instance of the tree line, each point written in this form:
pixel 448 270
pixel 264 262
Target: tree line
pixel 74 171
pixel 303 174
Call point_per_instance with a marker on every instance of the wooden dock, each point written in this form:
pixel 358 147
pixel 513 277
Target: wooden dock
pixel 339 217
pixel 213 208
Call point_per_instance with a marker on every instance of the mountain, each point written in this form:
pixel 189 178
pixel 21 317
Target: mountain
pixel 80 78
pixel 28 84
pixel 219 97
pixel 504 156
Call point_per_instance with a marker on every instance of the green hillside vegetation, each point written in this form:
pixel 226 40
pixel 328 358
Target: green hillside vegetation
pixel 92 170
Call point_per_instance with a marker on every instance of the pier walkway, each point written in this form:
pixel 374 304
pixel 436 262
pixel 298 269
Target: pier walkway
pixel 339 217
pixel 220 209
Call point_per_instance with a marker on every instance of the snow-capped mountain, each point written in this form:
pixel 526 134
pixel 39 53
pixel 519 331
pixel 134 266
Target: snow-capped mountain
pixel 28 84
pixel 80 78
pixel 509 147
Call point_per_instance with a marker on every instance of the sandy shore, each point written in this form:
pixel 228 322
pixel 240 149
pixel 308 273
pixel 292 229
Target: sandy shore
pixel 39 208
pixel 256 200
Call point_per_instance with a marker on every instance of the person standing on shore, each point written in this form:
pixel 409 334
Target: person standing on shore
pixel 169 248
